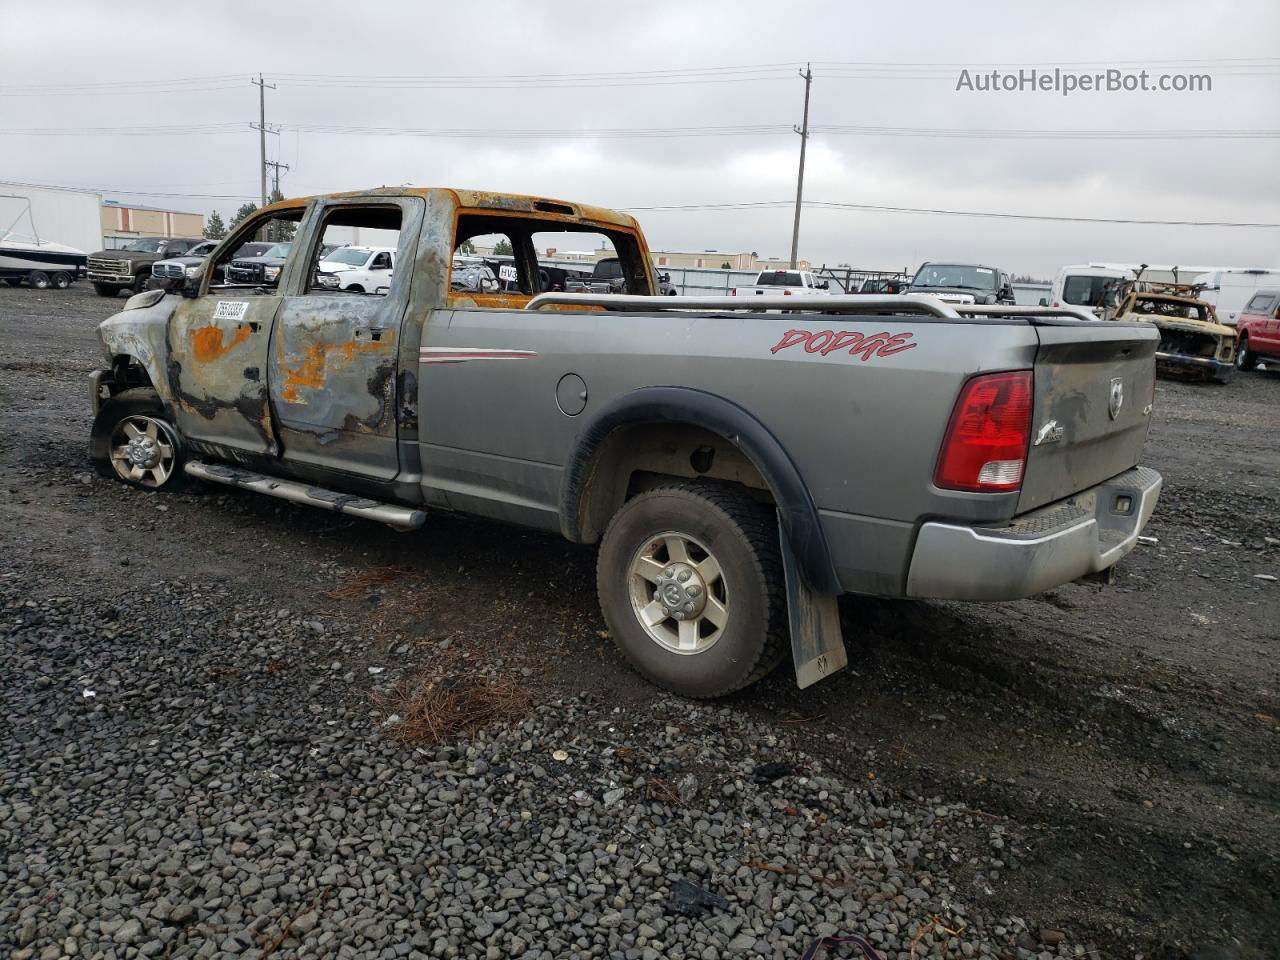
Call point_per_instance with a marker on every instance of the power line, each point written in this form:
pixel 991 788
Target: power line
pixel 936 211
pixel 749 205
pixel 632 133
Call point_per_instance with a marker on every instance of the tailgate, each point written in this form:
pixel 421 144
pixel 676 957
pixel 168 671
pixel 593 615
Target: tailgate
pixel 1094 384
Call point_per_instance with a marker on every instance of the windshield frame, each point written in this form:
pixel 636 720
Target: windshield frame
pixel 138 245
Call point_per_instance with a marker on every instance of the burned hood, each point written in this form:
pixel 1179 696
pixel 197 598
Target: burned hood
pixel 1183 324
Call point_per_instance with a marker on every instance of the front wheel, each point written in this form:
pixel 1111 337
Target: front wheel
pixel 38 279
pixel 691 585
pixel 105 290
pixel 1246 359
pixel 141 282
pixel 133 441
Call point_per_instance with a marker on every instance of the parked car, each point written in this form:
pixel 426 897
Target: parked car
pixel 1258 329
pixel 1090 286
pixel 607 276
pixel 963 283
pixel 260 269
pixel 884 285
pixel 1192 343
pixel 1229 290
pixel 357 269
pixel 978 458
pixel 783 283
pixel 111 271
pixel 171 274
pixel 473 277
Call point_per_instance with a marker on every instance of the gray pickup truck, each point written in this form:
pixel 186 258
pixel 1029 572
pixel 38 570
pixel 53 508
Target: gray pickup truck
pixel 739 468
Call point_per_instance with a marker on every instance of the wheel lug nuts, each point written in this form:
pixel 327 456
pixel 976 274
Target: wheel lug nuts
pixel 688 608
pixel 684 576
pixel 692 590
pixel 679 615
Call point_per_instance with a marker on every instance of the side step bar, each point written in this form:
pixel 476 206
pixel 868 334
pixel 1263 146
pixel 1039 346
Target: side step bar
pixel 401 518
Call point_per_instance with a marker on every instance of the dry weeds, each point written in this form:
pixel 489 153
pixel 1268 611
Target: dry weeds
pixel 436 708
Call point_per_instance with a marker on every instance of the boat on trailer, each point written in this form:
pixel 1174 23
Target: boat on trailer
pixel 41 263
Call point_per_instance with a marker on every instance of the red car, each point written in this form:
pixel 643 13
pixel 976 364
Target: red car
pixel 1258 330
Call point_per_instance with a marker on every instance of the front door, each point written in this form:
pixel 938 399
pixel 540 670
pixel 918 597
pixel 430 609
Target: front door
pixel 335 354
pixel 218 348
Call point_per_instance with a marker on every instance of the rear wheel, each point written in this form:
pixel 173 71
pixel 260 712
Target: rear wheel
pixel 355 288
pixel 38 279
pixel 1246 359
pixel 61 280
pixel 691 584
pixel 133 441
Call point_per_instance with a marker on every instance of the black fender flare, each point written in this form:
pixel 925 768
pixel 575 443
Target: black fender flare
pixel 796 509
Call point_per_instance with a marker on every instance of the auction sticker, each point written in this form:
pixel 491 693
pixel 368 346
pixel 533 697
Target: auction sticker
pixel 230 310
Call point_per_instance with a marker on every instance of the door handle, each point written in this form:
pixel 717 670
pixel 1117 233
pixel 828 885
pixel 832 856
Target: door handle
pixel 253 325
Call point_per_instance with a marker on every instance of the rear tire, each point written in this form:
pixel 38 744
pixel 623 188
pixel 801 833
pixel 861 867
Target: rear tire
pixel 38 279
pixel 105 290
pixel 133 441
pixel 691 585
pixel 141 282
pixel 1246 359
pixel 61 280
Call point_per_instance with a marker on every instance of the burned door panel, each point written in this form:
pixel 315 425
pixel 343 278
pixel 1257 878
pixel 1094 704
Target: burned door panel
pixel 333 382
pixel 216 370
pixel 334 364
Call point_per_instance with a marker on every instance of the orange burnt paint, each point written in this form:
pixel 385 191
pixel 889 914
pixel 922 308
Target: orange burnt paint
pixel 207 345
pixel 311 372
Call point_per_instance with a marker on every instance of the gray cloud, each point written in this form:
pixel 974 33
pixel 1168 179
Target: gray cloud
pixel 1182 180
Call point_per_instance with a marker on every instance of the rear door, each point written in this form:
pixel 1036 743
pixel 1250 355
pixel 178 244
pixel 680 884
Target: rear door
pixel 1094 387
pixel 218 348
pixel 335 355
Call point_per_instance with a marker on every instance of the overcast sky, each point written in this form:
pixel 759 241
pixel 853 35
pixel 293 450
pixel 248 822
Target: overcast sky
pixel 342 47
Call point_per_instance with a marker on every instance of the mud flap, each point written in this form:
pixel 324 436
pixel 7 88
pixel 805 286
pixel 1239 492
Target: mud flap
pixel 816 644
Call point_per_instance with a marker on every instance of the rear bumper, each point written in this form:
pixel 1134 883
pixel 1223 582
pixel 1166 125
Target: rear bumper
pixel 1037 551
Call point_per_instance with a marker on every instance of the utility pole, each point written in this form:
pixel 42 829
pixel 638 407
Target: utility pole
pixel 262 130
pixel 803 130
pixel 276 167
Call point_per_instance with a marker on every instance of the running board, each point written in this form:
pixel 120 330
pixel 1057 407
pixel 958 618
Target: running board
pixel 401 518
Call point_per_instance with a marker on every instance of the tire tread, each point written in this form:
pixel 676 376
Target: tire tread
pixel 758 526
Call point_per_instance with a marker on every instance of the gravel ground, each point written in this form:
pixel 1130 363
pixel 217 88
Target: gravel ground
pixel 197 750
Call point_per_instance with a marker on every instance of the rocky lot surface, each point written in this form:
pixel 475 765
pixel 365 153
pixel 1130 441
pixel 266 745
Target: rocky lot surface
pixel 197 750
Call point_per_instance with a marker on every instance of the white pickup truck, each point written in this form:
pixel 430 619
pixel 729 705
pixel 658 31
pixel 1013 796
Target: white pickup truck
pixel 357 269
pixel 784 283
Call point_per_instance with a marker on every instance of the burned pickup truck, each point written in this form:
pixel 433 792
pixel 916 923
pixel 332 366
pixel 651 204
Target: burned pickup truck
pixel 738 468
pixel 1193 345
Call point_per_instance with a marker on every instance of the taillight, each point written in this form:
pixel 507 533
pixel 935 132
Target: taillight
pixel 985 447
pixel 786 293
pixel 733 292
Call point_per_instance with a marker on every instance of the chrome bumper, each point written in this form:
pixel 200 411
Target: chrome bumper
pixel 1037 551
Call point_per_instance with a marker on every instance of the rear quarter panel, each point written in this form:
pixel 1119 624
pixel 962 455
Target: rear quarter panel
pixel 863 432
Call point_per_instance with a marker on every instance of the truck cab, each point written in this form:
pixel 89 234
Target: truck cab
pixel 358 269
pixel 963 283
